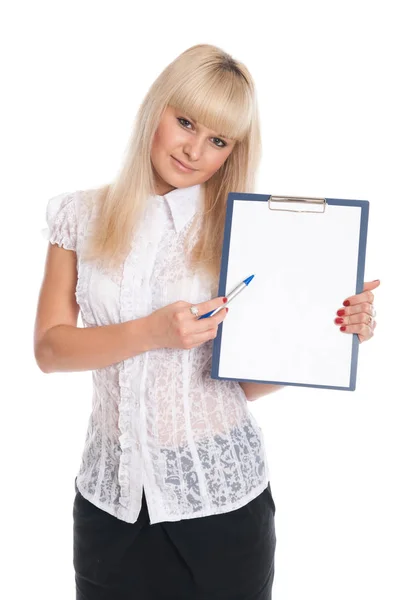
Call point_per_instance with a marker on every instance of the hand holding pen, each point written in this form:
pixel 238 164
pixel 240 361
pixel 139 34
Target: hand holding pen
pixel 178 325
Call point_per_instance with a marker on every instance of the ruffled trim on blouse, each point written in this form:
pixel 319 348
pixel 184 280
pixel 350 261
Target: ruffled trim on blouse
pixel 126 438
pixel 131 307
pixel 61 221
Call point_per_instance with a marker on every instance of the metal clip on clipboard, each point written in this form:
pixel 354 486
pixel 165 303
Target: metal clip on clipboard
pixel 319 201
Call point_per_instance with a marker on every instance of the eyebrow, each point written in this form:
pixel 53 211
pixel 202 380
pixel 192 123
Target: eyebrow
pixel 218 135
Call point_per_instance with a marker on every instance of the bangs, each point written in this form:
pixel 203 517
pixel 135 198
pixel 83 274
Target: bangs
pixel 221 103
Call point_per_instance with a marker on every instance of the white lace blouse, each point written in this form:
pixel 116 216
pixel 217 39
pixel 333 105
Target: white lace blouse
pixel 159 422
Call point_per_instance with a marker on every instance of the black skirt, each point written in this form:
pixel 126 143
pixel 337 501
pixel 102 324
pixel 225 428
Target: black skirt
pixel 229 556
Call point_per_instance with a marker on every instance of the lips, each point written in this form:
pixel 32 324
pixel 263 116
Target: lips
pixel 183 164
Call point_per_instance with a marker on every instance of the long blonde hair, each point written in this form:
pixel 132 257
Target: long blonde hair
pixel 211 87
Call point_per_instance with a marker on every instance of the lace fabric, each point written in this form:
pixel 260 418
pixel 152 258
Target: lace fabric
pixel 158 419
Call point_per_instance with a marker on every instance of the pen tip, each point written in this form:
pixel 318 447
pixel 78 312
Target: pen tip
pixel 249 279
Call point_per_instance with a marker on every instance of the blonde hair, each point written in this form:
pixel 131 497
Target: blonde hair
pixel 211 87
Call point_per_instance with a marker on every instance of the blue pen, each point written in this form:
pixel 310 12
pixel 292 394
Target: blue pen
pixel 230 297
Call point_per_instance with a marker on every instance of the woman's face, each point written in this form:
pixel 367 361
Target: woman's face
pixel 179 138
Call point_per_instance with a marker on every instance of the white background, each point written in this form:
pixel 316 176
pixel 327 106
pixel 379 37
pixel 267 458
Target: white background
pixel 327 75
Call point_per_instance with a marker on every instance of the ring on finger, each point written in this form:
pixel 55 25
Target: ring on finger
pixel 194 310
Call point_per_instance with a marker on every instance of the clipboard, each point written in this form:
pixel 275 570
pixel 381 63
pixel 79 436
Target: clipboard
pixel 307 255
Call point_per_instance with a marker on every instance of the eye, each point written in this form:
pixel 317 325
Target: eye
pixel 180 119
pixel 224 144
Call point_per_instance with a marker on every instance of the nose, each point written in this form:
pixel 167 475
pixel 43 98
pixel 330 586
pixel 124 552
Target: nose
pixel 193 149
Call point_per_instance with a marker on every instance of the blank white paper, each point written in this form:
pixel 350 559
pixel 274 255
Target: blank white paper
pixel 281 327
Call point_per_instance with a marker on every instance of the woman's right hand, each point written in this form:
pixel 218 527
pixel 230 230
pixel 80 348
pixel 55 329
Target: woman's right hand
pixel 174 326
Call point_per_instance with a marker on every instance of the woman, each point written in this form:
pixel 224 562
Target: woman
pixel 172 497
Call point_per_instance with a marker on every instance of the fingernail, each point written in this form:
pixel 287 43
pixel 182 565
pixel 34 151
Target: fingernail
pixel 227 308
pixel 343 328
pixel 346 303
pixel 224 299
pixel 376 280
pixel 339 320
pixel 341 313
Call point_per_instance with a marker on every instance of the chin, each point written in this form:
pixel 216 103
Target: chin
pixel 177 180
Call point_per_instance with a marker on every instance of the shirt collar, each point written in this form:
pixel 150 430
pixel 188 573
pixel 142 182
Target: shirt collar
pixel 183 204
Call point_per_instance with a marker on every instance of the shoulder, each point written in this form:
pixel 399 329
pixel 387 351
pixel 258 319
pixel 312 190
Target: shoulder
pixel 67 216
pixel 64 212
pixel 61 202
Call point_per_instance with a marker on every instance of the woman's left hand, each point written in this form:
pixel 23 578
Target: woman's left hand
pixel 359 312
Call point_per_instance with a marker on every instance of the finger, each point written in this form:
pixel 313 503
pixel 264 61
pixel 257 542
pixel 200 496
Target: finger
pixel 205 307
pixel 220 316
pixel 200 336
pixel 361 328
pixel 371 285
pixel 364 307
pixel 354 319
pixel 211 322
pixel 367 296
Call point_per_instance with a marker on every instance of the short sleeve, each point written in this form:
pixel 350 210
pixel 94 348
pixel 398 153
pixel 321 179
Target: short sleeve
pixel 62 221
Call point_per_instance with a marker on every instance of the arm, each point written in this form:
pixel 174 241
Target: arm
pixel 60 345
pixel 71 348
pixel 253 391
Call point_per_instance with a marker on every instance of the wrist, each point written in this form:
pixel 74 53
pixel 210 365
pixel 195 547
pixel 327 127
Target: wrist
pixel 150 333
